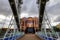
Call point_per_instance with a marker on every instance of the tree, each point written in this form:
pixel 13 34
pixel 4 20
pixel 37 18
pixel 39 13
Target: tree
pixel 56 29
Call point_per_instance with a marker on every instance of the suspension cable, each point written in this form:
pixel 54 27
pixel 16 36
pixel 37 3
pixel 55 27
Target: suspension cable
pixel 51 25
pixel 9 26
pixel 49 21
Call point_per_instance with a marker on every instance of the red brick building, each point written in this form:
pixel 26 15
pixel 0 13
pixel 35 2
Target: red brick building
pixel 29 22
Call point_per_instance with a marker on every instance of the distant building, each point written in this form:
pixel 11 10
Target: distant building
pixel 29 22
pixel 36 23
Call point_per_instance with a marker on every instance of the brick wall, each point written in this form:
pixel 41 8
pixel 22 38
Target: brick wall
pixel 29 22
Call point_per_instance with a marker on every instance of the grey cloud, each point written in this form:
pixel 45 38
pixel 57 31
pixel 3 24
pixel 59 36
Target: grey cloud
pixel 54 10
pixel 5 8
pixel 30 7
pixel 57 19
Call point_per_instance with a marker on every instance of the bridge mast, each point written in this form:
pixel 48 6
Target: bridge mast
pixel 15 12
pixel 42 4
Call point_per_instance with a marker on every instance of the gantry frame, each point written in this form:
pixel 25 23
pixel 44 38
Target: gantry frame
pixel 41 11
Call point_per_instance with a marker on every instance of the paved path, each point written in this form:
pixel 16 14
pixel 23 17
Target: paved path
pixel 29 37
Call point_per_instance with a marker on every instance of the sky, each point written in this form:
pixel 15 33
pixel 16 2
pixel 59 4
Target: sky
pixel 29 8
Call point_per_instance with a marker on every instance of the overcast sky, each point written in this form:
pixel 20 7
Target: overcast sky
pixel 30 8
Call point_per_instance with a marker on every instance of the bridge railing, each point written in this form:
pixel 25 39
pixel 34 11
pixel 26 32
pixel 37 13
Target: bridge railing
pixel 12 36
pixel 50 36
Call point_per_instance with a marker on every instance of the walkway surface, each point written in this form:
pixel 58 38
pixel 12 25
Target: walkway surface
pixel 29 37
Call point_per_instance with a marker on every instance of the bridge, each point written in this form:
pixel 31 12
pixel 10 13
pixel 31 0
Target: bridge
pixel 17 34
